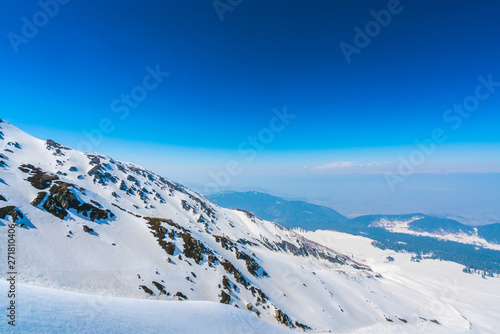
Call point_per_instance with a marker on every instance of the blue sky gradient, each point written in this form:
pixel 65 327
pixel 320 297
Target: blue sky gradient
pixel 226 77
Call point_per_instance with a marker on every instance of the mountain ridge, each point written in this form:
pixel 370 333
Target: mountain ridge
pixel 88 223
pixel 287 213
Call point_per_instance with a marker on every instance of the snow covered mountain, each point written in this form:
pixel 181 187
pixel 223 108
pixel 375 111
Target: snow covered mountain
pixel 311 217
pixel 486 236
pixel 87 223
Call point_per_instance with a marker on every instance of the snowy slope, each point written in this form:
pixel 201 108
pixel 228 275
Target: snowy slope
pixel 447 289
pixel 49 311
pixel 90 224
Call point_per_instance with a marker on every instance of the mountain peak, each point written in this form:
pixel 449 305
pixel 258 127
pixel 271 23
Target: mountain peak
pixel 144 236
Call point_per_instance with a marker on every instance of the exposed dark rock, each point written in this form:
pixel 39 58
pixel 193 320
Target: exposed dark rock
pixel 252 266
pixel 158 197
pixel 304 327
pixel 224 297
pixel 160 287
pixel 180 295
pixel 87 229
pixel 39 198
pixel 249 214
pixel 246 242
pixel 143 196
pixel 187 207
pixel 94 160
pixel 101 175
pixel 170 248
pixel 11 211
pixel 225 282
pixel 172 185
pixel 160 232
pixel 63 198
pixel 203 205
pixel 262 296
pixel 193 248
pixel 134 180
pixel 96 204
pixel 155 221
pixel 26 168
pixel 2 198
pixel 146 290
pixel 121 168
pixel 14 144
pixel 123 186
pixel 39 179
pixel 56 147
pixel 225 242
pixel 212 258
pixel 73 169
pixel 282 318
pixel 229 268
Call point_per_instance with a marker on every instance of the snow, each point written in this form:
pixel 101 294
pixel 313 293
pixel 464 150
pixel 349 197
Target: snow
pixel 43 310
pixel 401 226
pixel 446 288
pixel 60 271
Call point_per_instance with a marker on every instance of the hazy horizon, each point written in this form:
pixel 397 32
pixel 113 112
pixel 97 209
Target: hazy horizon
pixel 259 97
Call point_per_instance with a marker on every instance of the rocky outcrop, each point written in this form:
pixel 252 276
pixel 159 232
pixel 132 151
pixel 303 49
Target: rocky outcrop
pixel 56 148
pixel 87 229
pixel 39 179
pixel 160 288
pixel 11 211
pixel 224 297
pixel 146 290
pixel 193 248
pixel 62 198
pixel 282 318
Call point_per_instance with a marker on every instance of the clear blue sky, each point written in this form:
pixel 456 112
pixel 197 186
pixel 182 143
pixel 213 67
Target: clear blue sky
pixel 226 76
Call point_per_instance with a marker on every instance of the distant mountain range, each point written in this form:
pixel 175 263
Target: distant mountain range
pixel 438 227
pixel 473 246
pixel 291 214
pixel 300 214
